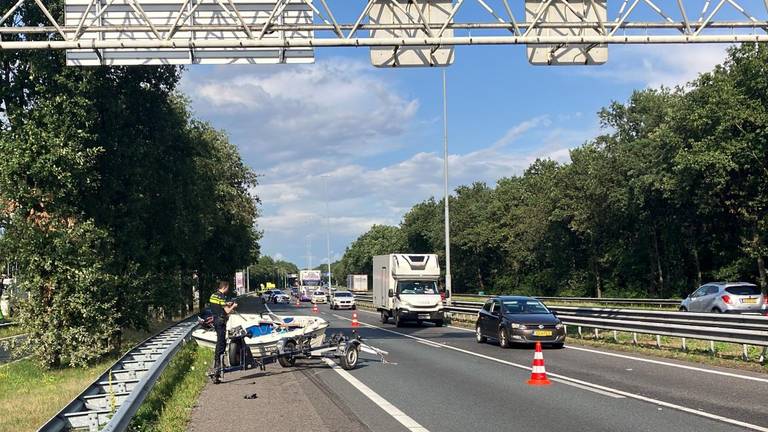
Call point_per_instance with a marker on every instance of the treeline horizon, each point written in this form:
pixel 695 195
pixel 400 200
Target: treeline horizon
pixel 674 193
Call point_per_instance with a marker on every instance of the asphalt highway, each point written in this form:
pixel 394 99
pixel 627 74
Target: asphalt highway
pixel 440 379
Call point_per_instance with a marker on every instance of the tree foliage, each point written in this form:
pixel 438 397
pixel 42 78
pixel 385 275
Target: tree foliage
pixel 113 199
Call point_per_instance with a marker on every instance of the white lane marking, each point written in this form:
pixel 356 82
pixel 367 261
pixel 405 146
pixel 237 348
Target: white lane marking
pixel 663 363
pixel 429 343
pixel 403 418
pixel 594 386
pixel 657 362
pixel 560 379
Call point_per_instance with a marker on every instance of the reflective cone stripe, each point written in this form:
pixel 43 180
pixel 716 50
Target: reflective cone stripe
pixel 538 373
pixel 314 308
pixel 354 320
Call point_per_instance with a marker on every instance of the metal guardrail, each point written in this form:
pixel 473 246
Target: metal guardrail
pixel 615 301
pixel 7 324
pixel 111 401
pixel 601 300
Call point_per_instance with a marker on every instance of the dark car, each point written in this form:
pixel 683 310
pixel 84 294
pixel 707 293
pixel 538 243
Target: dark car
pixel 511 319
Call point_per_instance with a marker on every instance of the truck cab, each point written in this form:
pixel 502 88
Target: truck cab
pixel 405 288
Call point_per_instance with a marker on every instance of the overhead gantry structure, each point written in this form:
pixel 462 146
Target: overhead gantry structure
pixel 398 32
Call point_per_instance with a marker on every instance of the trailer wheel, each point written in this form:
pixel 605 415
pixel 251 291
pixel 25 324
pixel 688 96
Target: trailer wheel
pixel 289 360
pixel 234 354
pixel 349 359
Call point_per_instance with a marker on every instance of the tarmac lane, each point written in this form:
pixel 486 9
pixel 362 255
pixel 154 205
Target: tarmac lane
pixel 440 379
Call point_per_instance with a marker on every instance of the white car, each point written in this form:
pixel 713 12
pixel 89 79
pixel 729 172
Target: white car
pixel 343 299
pixel 318 297
pixel 281 298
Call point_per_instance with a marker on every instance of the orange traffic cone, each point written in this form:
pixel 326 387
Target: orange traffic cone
pixel 314 308
pixel 354 320
pixel 538 373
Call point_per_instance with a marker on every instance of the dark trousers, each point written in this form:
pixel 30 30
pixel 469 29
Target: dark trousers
pixel 220 325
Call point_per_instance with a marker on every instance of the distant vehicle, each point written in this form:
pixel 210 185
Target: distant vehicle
pixel 268 294
pixel 305 298
pixel 310 280
pixel 281 297
pixel 357 283
pixel 511 319
pixel 725 297
pixel 405 288
pixel 343 300
pixel 319 297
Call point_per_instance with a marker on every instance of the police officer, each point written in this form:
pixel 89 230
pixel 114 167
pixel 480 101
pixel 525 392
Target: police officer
pixel 221 307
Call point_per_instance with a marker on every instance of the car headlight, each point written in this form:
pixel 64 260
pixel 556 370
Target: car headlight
pixel 559 326
pixel 517 326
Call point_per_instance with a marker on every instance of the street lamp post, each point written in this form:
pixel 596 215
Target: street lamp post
pixel 448 293
pixel 327 230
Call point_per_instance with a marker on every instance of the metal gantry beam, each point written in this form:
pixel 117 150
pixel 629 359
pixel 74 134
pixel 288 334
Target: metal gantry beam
pixel 305 24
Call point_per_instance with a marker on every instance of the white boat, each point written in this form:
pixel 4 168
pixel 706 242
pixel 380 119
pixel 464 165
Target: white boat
pixel 266 331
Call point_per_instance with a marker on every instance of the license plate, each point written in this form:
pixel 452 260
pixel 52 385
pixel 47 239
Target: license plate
pixel 749 300
pixel 542 332
pixel 424 316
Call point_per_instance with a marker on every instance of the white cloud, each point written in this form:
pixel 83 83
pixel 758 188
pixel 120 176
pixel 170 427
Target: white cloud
pixel 337 108
pixel 656 65
pixel 360 196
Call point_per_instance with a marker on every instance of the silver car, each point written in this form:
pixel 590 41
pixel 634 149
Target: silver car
pixel 722 297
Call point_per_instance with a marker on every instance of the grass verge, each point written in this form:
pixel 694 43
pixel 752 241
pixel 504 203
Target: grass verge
pixel 169 405
pixel 30 395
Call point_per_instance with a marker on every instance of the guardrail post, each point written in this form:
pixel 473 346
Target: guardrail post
pixel 580 335
pixel 597 333
pixel 762 355
pixel 658 341
pixel 712 347
pixel 685 348
pixel 634 338
pixel 615 336
pixel 744 354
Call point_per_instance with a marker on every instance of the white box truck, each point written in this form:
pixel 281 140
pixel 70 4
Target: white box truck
pixel 405 288
pixel 357 283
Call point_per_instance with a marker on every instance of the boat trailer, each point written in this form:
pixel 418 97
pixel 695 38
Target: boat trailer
pixel 339 347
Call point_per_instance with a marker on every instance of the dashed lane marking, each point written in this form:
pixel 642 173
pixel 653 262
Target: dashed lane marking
pixel 403 418
pixel 590 386
pixel 663 363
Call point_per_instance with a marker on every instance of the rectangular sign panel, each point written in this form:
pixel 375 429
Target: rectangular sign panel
pixel 161 19
pixel 417 12
pixel 558 11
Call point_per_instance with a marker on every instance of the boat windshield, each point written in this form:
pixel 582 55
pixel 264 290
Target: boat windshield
pixel 416 287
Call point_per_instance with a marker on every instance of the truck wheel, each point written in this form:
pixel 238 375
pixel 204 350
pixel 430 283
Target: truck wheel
pixel 384 317
pixel 398 320
pixel 439 323
pixel 349 359
pixel 290 360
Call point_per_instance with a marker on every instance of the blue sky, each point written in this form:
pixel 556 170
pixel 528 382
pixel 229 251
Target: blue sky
pixel 373 137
